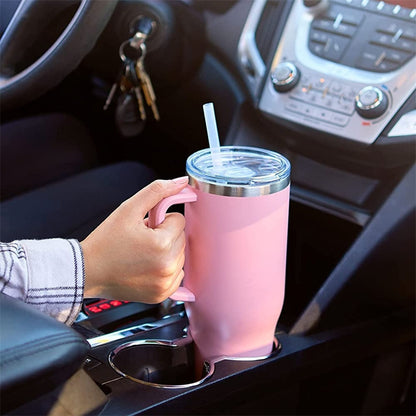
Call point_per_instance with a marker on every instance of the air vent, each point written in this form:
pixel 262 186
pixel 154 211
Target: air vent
pixel 267 26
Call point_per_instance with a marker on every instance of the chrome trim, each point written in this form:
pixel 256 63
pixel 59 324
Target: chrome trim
pixel 289 79
pixel 276 349
pixel 210 365
pixel 405 126
pixel 134 330
pixel 238 191
pixel 246 187
pixel 172 344
pixel 247 48
pixel 377 102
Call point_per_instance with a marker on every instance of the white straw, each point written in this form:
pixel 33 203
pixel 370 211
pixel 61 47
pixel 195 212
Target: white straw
pixel 213 139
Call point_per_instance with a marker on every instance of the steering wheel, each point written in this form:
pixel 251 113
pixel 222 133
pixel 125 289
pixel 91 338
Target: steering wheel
pixel 19 86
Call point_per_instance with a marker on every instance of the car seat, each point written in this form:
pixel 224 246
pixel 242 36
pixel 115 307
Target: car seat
pixel 51 184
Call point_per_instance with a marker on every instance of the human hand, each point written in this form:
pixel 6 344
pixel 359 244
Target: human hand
pixel 127 260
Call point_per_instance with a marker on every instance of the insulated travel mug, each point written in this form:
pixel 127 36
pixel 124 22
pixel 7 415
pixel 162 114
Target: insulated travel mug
pixel 235 262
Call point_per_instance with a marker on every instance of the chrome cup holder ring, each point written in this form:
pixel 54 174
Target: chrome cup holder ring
pixel 161 363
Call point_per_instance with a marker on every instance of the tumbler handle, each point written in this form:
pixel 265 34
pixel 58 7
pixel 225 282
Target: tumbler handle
pixel 157 215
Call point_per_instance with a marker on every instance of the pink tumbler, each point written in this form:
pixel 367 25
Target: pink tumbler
pixel 236 234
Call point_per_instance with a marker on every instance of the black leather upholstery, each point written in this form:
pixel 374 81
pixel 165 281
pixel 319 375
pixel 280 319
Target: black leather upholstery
pixel 37 353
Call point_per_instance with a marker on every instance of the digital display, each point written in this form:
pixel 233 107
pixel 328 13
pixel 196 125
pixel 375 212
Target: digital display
pixel 103 305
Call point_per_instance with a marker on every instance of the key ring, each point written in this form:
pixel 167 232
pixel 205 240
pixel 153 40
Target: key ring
pixel 129 43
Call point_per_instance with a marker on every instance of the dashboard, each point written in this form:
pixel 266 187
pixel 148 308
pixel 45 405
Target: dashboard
pixel 343 67
pixel 331 85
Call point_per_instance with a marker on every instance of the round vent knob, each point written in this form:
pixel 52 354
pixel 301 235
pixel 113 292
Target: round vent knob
pixel 285 76
pixel 371 102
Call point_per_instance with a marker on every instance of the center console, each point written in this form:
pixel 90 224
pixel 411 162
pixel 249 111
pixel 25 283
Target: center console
pixel 343 67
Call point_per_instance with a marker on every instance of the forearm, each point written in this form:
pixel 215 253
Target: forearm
pixel 47 274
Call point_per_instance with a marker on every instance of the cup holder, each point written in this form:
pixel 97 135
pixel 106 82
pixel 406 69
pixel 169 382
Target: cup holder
pixel 166 364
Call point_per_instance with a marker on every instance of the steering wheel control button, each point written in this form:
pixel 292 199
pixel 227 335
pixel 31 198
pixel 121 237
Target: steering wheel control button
pixel 285 77
pixel 371 102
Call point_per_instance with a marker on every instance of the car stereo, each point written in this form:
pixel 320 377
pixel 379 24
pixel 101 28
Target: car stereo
pixel 344 67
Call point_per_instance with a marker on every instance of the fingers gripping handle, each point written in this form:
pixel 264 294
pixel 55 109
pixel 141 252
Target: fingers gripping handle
pixel 157 215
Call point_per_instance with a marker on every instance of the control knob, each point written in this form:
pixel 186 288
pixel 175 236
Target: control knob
pixel 285 76
pixel 371 102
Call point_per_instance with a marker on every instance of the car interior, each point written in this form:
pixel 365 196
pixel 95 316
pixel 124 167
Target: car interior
pixel 328 84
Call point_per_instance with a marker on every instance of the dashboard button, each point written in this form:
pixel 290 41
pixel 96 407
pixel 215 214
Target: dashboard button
pixel 318 36
pixel 390 29
pixel 301 94
pixel 295 106
pixel 343 105
pixel 317 113
pixel 335 88
pixel 323 24
pixel 335 48
pixel 320 83
pixel 394 41
pixel 308 110
pixel 410 33
pixel 397 56
pixel 406 45
pixel 384 39
pixel 346 30
pixel 324 115
pixel 335 27
pixel 339 119
pixel 379 59
pixel 332 49
pixel 316 48
pixel 388 66
pixel 349 16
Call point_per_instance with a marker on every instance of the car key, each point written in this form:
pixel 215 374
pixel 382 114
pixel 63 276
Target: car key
pixel 130 52
pixel 113 89
pixel 122 81
pixel 126 57
pixel 135 85
pixel 146 83
pixel 129 116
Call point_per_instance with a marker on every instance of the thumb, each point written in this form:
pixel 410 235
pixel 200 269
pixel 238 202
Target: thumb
pixel 144 200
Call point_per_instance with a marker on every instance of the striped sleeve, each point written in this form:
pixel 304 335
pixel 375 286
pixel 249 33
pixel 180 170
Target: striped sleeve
pixel 47 274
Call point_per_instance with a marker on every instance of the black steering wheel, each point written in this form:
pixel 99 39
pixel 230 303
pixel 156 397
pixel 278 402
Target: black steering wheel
pixel 19 86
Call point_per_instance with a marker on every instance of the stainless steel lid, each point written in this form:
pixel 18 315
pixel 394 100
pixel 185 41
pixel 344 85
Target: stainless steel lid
pixel 243 171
